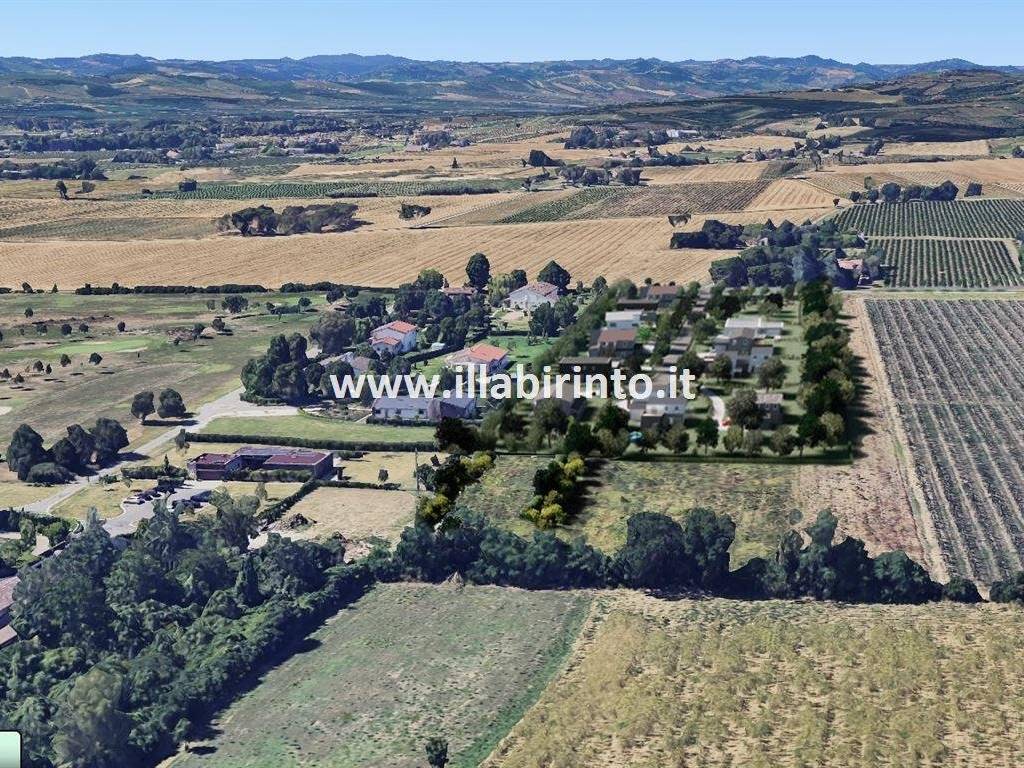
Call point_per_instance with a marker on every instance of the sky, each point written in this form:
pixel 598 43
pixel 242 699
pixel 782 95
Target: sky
pixel 891 32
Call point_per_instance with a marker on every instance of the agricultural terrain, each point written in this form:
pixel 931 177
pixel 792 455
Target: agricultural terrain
pixel 953 374
pixel 382 676
pixel 719 683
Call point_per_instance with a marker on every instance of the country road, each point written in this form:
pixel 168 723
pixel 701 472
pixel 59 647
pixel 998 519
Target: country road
pixel 230 404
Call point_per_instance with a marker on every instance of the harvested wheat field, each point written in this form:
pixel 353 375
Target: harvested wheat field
pixel 711 172
pixel 752 142
pixel 788 193
pixel 633 248
pixel 948 148
pixel 716 683
pixel 986 170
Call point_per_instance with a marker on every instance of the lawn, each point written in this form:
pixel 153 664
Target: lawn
pixel 383 676
pixel 400 466
pixel 317 428
pixel 717 683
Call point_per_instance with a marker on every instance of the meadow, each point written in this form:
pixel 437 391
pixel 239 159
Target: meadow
pixel 317 428
pixel 384 675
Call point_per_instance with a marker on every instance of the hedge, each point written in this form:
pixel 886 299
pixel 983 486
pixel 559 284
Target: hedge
pixel 96 290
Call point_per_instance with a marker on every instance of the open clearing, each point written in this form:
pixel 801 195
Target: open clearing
pixel 789 193
pixel 717 683
pixel 356 513
pixel 384 675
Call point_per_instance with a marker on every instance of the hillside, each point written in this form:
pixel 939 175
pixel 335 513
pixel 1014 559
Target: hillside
pixel 105 83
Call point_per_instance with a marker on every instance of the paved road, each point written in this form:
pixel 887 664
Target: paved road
pixel 230 404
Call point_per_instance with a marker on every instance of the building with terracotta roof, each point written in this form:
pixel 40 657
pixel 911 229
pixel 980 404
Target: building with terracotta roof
pixel 481 355
pixel 219 466
pixel 395 337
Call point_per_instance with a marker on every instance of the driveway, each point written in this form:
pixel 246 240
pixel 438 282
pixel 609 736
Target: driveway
pixel 230 404
pixel 717 407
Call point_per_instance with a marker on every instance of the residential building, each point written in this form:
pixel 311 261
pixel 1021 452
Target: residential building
pixel 395 337
pixel 666 295
pixel 770 406
pixel 746 352
pixel 659 406
pixel 761 327
pixel 586 365
pixel 459 290
pixel 532 295
pixel 623 318
pixel 360 364
pixel 649 307
pixel 614 342
pixel 219 466
pixel 426 410
pixel 486 356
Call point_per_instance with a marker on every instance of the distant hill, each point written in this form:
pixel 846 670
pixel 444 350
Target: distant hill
pixel 115 83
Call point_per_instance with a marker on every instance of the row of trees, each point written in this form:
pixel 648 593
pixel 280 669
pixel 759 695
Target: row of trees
pixel 170 405
pixel 293 220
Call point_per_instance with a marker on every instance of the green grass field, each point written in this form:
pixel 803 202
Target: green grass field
pixel 141 358
pixel 758 497
pixel 317 428
pixel 386 674
pixel 718 683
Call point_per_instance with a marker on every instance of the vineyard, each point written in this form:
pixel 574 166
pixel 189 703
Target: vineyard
pixel 978 218
pixel 635 202
pixel 952 366
pixel 950 263
pixel 279 189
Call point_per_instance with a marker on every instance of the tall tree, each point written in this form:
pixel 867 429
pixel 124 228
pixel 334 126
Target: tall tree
pixel 478 270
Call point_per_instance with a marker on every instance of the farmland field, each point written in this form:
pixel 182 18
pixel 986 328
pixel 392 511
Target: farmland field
pixel 276 189
pixel 978 218
pixel 627 202
pixel 954 373
pixel 389 672
pixel 615 248
pixel 356 513
pixel 950 263
pixel 790 193
pixel 717 683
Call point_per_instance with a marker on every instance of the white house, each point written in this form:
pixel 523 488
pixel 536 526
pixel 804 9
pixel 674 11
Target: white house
pixel 762 328
pixel 746 353
pixel 395 337
pixel 623 319
pixel 532 295
pixel 428 410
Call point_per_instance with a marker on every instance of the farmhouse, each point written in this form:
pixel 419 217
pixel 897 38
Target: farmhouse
pixel 486 356
pixel 395 337
pixel 532 295
pixel 762 328
pixel 219 466
pixel 426 410
pixel 626 318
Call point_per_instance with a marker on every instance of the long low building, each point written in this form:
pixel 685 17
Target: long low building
pixel 218 466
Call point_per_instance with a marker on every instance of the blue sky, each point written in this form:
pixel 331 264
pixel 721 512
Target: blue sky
pixel 892 32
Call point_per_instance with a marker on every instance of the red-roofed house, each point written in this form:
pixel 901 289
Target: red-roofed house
pixel 395 337
pixel 532 295
pixel 482 355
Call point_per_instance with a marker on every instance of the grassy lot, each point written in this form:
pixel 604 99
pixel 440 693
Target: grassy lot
pixel 316 428
pixel 141 358
pixel 718 683
pixel 105 498
pixel 357 513
pixel 759 498
pixel 386 674
pixel 16 494
pixel 401 467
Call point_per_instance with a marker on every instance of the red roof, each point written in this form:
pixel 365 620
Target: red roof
pixel 544 289
pixel 213 459
pixel 612 335
pixel 486 353
pixel 397 325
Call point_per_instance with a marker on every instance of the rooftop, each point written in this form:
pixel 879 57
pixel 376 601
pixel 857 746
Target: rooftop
pixel 544 289
pixel 396 325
